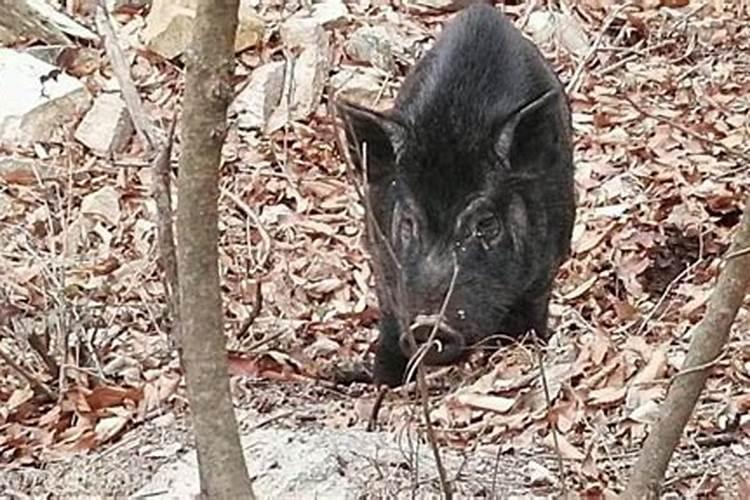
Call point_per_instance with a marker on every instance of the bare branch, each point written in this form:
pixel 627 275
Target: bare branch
pixel 575 80
pixel 553 426
pixel 257 307
pixel 165 229
pixel 38 386
pixel 143 126
pixel 709 337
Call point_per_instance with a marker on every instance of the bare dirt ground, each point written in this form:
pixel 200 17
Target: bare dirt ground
pixel 659 92
pixel 294 451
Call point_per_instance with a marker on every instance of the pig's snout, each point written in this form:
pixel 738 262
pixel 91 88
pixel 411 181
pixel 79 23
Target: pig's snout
pixel 447 347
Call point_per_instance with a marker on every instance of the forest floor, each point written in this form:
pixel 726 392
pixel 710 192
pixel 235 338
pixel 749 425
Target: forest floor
pixel 660 92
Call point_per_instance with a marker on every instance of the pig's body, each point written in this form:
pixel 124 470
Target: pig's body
pixel 473 167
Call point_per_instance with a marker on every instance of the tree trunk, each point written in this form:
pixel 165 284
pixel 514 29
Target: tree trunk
pixel 209 67
pixel 708 339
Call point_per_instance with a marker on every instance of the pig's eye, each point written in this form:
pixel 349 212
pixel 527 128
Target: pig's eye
pixel 487 228
pixel 407 229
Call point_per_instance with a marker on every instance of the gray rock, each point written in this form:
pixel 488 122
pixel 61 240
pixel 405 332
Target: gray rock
pixel 373 45
pixel 114 5
pixel 169 27
pixel 38 19
pixel 46 53
pixel 328 13
pixel 542 26
pixel 304 85
pixel 106 128
pixel 546 26
pixel 323 346
pixel 359 85
pixel 262 95
pixel 37 98
pixel 448 5
pixel 301 32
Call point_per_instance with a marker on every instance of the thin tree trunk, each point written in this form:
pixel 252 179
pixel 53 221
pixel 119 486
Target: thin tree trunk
pixel 708 339
pixel 209 67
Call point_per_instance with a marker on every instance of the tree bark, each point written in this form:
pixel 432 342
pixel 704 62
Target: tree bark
pixel 708 339
pixel 209 67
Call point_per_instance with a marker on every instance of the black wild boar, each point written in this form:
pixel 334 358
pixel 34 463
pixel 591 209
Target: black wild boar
pixel 472 166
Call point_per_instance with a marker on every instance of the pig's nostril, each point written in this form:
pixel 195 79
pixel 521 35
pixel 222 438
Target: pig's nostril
pixel 447 344
pixel 422 335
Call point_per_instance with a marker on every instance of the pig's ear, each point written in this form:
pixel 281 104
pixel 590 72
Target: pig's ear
pixel 507 130
pixel 379 135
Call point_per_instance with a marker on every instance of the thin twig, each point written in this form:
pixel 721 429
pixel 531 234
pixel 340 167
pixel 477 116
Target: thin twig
pixel 372 422
pixel 415 363
pixel 121 69
pixel 410 386
pixel 738 253
pixel 664 294
pixel 165 228
pixel 254 347
pixel 697 368
pixel 444 481
pixel 38 385
pixel 373 226
pixel 250 213
pixel 421 382
pixel 290 62
pixel 553 425
pixel 43 351
pixel 418 356
pixel 728 150
pixel 269 420
pixel 257 306
pixel 575 80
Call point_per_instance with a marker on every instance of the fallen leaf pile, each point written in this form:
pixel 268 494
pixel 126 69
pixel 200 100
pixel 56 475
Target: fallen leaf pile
pixel 660 97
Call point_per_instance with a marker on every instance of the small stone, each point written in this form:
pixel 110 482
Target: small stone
pixel 106 128
pixel 103 205
pixel 169 27
pixel 572 36
pixel 309 75
pixel 37 19
pixel 372 44
pixel 541 26
pixel 328 13
pixel 446 5
pixel 539 475
pixel 323 346
pixel 260 97
pixel 37 98
pixel 250 28
pixel 358 85
pixel 301 32
pixel 545 26
pixel 115 5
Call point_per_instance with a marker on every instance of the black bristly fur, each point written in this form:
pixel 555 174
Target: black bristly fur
pixel 474 159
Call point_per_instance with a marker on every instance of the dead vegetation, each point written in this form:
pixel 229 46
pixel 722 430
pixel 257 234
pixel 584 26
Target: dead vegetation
pixel 659 92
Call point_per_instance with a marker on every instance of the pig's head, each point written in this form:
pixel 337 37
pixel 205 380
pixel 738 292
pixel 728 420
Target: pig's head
pixel 442 199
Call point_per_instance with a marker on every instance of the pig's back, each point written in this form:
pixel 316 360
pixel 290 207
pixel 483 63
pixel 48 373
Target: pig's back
pixel 480 69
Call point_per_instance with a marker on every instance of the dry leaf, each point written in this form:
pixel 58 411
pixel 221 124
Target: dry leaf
pixel 567 450
pixel 489 403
